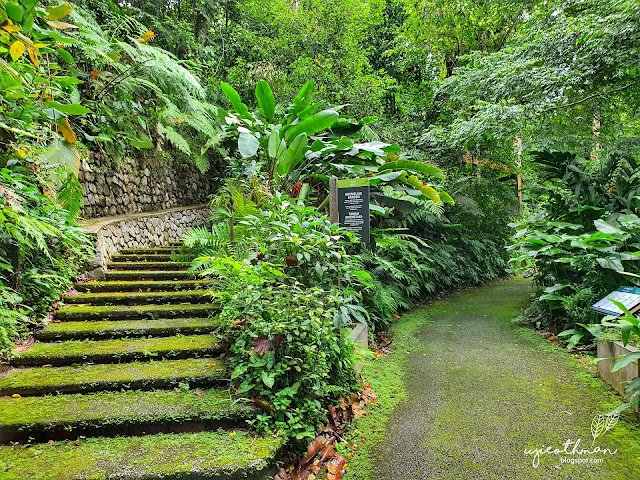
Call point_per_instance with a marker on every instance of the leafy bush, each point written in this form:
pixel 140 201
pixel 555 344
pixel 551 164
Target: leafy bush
pixel 584 244
pixel 290 352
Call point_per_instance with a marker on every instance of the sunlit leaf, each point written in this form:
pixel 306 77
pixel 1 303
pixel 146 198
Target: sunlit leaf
pixel 147 36
pixel 59 12
pixel 16 50
pixel 67 132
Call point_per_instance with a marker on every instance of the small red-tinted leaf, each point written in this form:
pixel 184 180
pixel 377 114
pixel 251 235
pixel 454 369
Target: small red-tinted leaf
pixel 313 449
pixel 263 344
pixel 335 416
pixel 327 451
pixel 263 405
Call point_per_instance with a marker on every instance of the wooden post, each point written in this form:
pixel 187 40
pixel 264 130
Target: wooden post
pixel 333 200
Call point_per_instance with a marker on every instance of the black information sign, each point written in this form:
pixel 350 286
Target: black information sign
pixel 353 207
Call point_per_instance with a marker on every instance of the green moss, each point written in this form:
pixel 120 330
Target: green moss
pixel 138 407
pixel 466 390
pixel 91 378
pixel 122 328
pixel 139 257
pixel 147 275
pixel 145 285
pixel 138 311
pixel 147 265
pixel 137 297
pixel 201 455
pixel 105 351
pixel 150 250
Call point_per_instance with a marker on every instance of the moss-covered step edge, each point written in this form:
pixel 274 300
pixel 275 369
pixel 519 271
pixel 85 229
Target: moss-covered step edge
pixel 101 330
pixel 148 265
pixel 118 351
pixel 207 455
pixel 197 372
pixel 142 257
pixel 148 250
pixel 60 417
pixel 148 275
pixel 142 285
pixel 128 298
pixel 126 312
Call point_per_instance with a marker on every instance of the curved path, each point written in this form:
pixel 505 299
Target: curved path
pixel 481 390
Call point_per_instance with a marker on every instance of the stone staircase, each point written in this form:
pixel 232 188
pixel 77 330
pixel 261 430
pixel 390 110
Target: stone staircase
pixel 128 382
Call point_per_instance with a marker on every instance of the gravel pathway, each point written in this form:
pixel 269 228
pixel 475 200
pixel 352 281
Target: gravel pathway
pixel 482 390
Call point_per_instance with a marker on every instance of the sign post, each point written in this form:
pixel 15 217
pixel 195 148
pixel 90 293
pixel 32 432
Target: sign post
pixel 350 206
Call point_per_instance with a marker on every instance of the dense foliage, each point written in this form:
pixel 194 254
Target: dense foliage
pixel 441 105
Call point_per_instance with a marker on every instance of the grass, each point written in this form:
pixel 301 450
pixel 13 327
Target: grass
pixel 102 351
pixel 218 454
pixel 110 377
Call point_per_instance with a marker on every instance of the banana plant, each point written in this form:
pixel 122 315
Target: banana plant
pixel 308 145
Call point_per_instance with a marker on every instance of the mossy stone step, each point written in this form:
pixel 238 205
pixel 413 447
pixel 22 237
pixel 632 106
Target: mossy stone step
pixel 197 372
pixel 142 257
pixel 130 298
pixel 205 455
pixel 126 312
pixel 118 413
pixel 121 350
pixel 148 250
pixel 142 285
pixel 104 329
pixel 175 266
pixel 147 275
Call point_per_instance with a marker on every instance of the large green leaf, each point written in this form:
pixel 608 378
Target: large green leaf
pixel 234 98
pixel 414 166
pixel 447 198
pixel 61 153
pixel 265 99
pixel 69 109
pixel 303 98
pixel 292 156
pixel 611 264
pixel 625 360
pixel 314 124
pixel 604 227
pixel 274 140
pixel 248 144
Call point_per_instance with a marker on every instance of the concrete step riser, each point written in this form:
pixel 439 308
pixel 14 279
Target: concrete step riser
pixel 121 312
pixel 114 429
pixel 142 286
pixel 116 386
pixel 175 266
pixel 138 299
pixel 148 275
pixel 159 332
pixel 142 257
pixel 108 358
